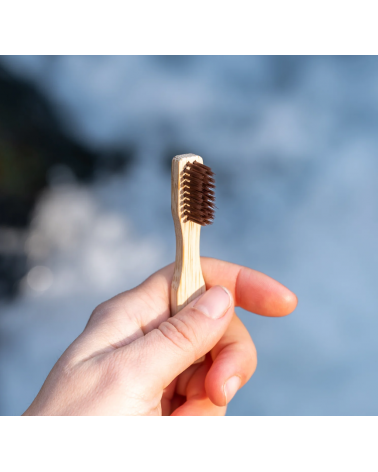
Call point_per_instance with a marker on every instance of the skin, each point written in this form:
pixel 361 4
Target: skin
pixel 134 359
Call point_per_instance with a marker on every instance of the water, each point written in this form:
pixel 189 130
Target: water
pixel 293 142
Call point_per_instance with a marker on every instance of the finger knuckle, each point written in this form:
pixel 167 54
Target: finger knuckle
pixel 98 312
pixel 179 333
pixel 104 310
pixel 248 354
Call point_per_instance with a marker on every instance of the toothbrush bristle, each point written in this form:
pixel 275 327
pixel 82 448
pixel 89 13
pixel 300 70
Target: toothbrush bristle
pixel 197 194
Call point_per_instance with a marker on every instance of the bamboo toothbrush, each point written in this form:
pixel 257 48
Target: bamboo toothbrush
pixel 193 206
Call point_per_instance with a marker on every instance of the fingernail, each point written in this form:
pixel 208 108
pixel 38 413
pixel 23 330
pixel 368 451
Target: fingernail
pixel 215 302
pixel 231 387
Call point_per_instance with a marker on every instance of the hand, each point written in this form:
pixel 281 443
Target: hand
pixel 134 359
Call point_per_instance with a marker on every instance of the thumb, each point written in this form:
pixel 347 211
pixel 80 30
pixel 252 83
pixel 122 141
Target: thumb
pixel 165 352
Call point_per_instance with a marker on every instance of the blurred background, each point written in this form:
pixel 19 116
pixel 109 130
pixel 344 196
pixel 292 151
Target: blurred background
pixel 85 150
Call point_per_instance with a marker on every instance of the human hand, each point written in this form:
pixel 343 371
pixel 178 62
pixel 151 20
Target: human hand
pixel 134 359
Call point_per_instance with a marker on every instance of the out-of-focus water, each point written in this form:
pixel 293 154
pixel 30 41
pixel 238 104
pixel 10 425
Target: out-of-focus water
pixel 294 144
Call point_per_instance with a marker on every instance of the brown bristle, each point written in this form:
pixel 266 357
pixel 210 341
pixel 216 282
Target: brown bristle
pixel 197 194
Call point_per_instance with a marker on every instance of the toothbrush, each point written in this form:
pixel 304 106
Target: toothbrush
pixel 193 206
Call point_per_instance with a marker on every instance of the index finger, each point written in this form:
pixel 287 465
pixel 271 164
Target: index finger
pixel 252 290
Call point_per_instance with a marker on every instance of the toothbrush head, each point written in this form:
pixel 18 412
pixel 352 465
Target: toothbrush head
pixel 197 194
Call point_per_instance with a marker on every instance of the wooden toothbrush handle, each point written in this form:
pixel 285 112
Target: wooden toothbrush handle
pixel 188 287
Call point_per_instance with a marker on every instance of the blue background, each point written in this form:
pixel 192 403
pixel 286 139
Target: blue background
pixel 293 142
